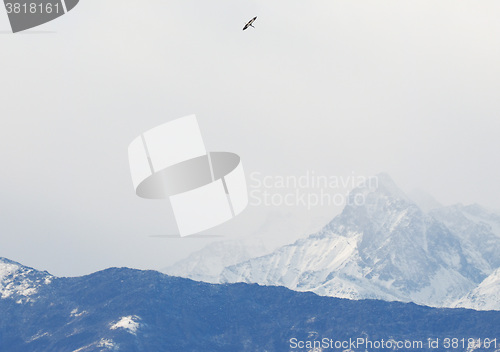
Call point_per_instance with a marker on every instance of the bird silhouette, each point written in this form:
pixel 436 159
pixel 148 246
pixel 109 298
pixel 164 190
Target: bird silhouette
pixel 249 24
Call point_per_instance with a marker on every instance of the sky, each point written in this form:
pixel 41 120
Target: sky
pixel 335 88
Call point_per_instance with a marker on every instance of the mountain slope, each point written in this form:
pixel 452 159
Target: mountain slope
pixel 20 282
pixel 383 247
pixel 279 228
pixel 478 231
pixel 207 263
pixel 132 310
pixel 486 296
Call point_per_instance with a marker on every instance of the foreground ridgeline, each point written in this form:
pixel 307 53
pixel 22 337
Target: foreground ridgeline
pixel 132 310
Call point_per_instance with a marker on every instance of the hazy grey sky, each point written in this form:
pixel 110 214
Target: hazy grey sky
pixel 336 87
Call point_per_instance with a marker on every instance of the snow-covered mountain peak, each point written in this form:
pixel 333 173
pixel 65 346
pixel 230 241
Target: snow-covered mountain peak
pixel 382 246
pixel 373 206
pixel 20 282
pixel 387 186
pixel 381 187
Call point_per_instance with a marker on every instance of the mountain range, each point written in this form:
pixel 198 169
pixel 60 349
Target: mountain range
pixel 387 247
pixel 121 309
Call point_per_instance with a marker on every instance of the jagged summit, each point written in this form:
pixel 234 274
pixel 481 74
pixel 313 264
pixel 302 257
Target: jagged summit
pixel 388 187
pixel 381 185
pixel 370 206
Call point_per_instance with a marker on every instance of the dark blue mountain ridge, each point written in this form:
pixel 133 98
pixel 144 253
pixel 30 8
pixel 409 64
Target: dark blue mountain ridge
pixel 121 309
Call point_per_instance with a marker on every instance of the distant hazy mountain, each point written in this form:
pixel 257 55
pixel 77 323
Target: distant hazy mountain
pixel 385 248
pixel 207 263
pixel 131 310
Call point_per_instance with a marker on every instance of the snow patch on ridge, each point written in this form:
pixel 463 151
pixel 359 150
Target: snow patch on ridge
pixel 127 323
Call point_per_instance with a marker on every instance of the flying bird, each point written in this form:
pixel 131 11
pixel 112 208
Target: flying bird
pixel 249 24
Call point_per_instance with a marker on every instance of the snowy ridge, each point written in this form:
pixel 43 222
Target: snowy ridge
pixel 19 282
pixel 208 263
pixel 484 297
pixel 385 248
